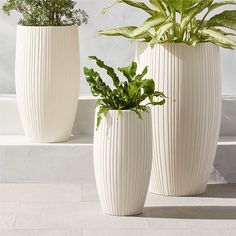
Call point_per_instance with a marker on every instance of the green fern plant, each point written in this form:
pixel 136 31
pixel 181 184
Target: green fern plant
pixel 46 12
pixel 178 21
pixel 135 93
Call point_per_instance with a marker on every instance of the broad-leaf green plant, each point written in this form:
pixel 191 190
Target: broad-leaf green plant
pixel 135 92
pixel 46 12
pixel 178 21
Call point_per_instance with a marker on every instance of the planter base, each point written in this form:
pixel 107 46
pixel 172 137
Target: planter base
pixel 40 140
pixel 131 213
pixel 179 194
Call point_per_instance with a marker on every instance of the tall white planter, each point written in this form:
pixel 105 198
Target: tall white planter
pixel 122 162
pixel 47 81
pixel 185 132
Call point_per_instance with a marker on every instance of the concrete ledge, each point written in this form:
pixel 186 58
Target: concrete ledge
pixel 10 119
pixel 72 161
pixel 67 162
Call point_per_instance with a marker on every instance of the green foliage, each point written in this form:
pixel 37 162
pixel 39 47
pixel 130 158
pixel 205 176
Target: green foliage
pixel 135 93
pixel 46 12
pixel 178 21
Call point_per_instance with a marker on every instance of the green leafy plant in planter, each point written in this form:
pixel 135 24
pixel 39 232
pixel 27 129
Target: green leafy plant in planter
pixel 46 12
pixel 135 93
pixel 178 21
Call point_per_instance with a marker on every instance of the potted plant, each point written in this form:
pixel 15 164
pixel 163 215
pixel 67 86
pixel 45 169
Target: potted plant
pixel 181 49
pixel 47 66
pixel 122 139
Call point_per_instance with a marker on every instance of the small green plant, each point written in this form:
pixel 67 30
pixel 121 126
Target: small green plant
pixel 46 12
pixel 135 93
pixel 178 21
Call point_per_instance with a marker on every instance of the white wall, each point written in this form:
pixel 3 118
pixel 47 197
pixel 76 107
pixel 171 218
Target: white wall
pixel 116 51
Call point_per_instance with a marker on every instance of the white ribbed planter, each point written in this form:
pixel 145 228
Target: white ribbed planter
pixel 122 162
pixel 47 81
pixel 185 132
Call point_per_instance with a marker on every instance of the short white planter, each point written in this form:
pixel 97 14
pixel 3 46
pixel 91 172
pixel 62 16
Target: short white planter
pixel 185 132
pixel 47 81
pixel 122 162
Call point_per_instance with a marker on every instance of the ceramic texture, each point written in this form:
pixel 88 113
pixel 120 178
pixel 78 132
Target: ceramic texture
pixel 122 162
pixel 47 81
pixel 185 132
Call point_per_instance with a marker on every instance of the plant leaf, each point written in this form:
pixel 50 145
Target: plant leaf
pixel 225 19
pixel 140 76
pixel 160 32
pixel 182 5
pixel 138 113
pixel 102 111
pixel 126 32
pixel 46 13
pixel 218 37
pixel 163 29
pixel 157 4
pixel 157 95
pixel 220 4
pixel 128 95
pixel 153 21
pixel 140 5
pixel 222 31
pixel 178 21
pixel 193 40
pixel 169 8
pixel 148 86
pixel 129 72
pixel 110 70
pixel 193 11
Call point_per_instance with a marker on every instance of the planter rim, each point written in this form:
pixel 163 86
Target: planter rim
pixel 48 27
pixel 128 111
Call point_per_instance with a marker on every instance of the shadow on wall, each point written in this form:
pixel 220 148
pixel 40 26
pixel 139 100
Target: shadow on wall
pixel 224 165
pixel 192 212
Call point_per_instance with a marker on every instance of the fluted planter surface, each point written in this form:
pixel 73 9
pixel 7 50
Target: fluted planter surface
pixel 122 162
pixel 185 132
pixel 47 81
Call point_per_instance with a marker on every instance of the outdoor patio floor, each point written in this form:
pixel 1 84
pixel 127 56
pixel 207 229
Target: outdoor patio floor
pixel 74 210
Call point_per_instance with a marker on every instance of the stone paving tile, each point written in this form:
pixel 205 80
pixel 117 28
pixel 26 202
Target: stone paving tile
pixel 151 233
pixel 40 192
pixel 89 193
pixel 70 209
pixel 73 216
pixel 8 211
pixel 36 232
pixel 229 232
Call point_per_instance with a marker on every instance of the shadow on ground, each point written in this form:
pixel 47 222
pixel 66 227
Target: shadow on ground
pixel 220 191
pixel 192 212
